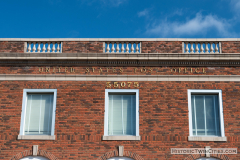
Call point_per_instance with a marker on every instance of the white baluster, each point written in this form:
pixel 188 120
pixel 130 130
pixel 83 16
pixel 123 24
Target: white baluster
pixel 201 48
pixel 191 49
pixel 206 47
pixel 113 49
pixel 122 48
pixel 48 48
pixel 211 47
pixel 29 47
pixel 44 47
pixel 117 49
pixel 216 47
pixel 187 49
pixel 137 49
pixel 39 48
pixel 107 49
pixel 127 48
pixel 53 47
pixel 196 48
pixel 58 47
pixel 132 47
pixel 34 47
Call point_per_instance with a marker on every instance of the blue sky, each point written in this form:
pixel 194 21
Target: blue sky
pixel 120 19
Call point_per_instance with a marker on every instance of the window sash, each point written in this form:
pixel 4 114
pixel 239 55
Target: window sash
pixel 121 114
pixel 121 92
pixel 38 116
pixel 205 114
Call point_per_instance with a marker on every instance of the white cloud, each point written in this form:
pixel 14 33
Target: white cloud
pixel 145 12
pixel 199 25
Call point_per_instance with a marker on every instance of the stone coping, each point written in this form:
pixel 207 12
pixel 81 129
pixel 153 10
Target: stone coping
pixel 119 39
pixel 118 56
pixel 207 138
pixel 36 137
pixel 121 138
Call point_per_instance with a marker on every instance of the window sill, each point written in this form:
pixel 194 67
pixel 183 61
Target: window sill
pixel 35 137
pixel 192 138
pixel 121 138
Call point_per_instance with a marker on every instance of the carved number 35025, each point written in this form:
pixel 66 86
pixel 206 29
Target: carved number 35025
pixel 122 84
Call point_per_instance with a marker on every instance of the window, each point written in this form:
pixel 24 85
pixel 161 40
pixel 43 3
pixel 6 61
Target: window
pixel 38 113
pixel 207 159
pixel 120 158
pixel 121 114
pixel 34 158
pixel 205 114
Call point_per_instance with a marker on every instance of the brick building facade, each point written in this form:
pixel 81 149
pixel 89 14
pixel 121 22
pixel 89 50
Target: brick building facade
pixel 109 98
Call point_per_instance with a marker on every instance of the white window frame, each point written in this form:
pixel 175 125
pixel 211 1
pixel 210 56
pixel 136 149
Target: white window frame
pixel 206 138
pixel 121 137
pixel 24 105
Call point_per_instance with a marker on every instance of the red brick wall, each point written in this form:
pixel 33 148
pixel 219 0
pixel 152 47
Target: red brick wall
pixel 80 119
pixel 231 47
pixel 162 47
pixel 82 47
pixel 9 47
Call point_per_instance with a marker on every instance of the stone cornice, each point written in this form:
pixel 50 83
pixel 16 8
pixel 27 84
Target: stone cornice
pixel 120 59
pixel 119 39
pixel 118 56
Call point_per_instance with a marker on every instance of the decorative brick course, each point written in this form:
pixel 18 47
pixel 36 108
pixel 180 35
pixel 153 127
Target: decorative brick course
pixel 162 47
pixel 82 47
pixel 11 47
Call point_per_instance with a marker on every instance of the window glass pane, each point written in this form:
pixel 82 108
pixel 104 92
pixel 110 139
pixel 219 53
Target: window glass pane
pixel 193 115
pixel 120 158
pixel 34 158
pixel 207 159
pixel 122 115
pixel 199 103
pixel 46 114
pixel 205 115
pixel 38 119
pixel 210 114
pixel 217 116
pixel 115 116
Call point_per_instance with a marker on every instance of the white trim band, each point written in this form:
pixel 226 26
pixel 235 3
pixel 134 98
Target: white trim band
pixel 192 138
pixel 121 56
pixel 44 77
pixel 35 137
pixel 121 138
pixel 119 39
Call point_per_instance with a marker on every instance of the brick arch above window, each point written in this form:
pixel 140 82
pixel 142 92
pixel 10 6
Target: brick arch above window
pixel 27 153
pixel 199 156
pixel 114 153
